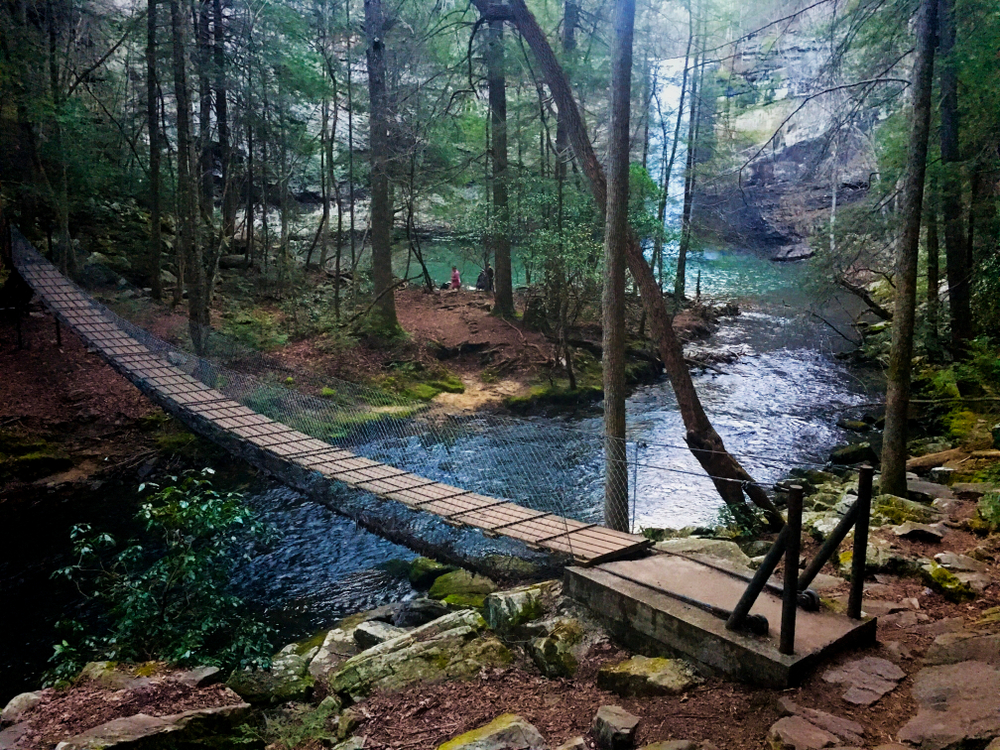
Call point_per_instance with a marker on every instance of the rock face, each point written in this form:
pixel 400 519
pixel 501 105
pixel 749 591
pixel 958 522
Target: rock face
pixel 506 611
pixel 338 646
pixel 462 589
pixel 643 676
pixel 374 632
pixel 506 732
pixel 614 728
pixel 453 646
pixel 17 705
pixel 867 679
pixel 142 731
pixel 713 550
pixel 958 706
pixel 288 679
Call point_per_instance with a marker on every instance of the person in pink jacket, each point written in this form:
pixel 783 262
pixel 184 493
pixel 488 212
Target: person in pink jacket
pixel 456 280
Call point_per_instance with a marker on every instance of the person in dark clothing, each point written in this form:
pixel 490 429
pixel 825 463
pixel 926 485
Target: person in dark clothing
pixel 483 282
pixel 489 276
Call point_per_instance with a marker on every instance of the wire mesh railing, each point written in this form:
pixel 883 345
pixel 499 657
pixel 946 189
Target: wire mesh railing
pixel 543 465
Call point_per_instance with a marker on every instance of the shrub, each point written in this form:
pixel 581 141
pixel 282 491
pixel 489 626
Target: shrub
pixel 167 596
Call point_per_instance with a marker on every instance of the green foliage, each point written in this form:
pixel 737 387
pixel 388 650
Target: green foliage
pixel 989 509
pixel 167 596
pixel 297 725
pixel 258 329
pixel 740 521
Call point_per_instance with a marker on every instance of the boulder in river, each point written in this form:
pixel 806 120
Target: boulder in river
pixel 461 588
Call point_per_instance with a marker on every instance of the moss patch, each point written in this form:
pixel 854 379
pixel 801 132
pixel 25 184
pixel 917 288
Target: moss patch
pixel 946 583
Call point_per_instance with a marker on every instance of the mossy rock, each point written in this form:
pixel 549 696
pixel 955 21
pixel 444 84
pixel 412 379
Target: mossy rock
pixel 461 583
pixel 509 567
pixel 895 510
pixel 424 571
pixel 947 583
pixel 465 601
pixel 554 396
pixel 505 731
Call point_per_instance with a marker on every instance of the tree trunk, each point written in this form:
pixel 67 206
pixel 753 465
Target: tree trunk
pixel 384 311
pixel 616 239
pixel 956 255
pixel 206 165
pixel 897 400
pixel 933 271
pixel 152 123
pixel 706 445
pixel 187 186
pixel 222 123
pixel 500 234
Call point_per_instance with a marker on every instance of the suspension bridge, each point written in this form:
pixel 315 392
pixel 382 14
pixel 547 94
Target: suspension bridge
pixel 716 616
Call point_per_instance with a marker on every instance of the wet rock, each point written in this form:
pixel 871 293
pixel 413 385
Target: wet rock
pixel 554 652
pixel 868 679
pixel 462 589
pixel 948 584
pixel 614 728
pixel 374 632
pixel 417 612
pixel 506 611
pixel 338 646
pixel 506 732
pixel 854 425
pixel 853 454
pixel 17 706
pixel 756 548
pixel 288 679
pixel 918 532
pixel 451 647
pixel 153 731
pixel 712 550
pixel 424 571
pixel 847 730
pixel 958 706
pixel 644 676
pixel 796 733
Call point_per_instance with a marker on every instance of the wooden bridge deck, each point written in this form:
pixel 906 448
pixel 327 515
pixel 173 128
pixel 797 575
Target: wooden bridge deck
pixel 214 414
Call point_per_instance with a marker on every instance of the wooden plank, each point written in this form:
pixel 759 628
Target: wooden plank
pixel 369 473
pixel 393 484
pixel 229 422
pixel 267 434
pixel 499 516
pixel 329 455
pixel 332 468
pixel 453 509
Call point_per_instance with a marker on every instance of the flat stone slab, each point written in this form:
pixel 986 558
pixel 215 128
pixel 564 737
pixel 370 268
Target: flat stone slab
pixel 796 733
pixel 850 732
pixel 644 676
pixel 958 706
pixel 868 679
pixel 921 491
pixel 634 600
pixel 506 732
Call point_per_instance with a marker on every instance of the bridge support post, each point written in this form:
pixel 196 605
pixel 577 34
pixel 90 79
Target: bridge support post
pixel 789 596
pixel 859 560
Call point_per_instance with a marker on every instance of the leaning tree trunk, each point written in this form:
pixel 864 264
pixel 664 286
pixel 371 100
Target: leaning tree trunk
pixel 730 478
pixel 956 255
pixel 897 401
pixel 381 210
pixel 500 232
pixel 616 240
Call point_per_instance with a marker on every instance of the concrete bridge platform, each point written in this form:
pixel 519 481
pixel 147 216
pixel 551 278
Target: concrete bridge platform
pixel 633 600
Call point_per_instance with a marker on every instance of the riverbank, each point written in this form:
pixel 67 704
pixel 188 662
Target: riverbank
pixel 434 670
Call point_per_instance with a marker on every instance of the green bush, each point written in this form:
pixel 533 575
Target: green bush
pixel 167 596
pixel 989 509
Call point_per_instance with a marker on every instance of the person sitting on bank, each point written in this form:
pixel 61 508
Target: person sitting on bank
pixel 456 280
pixel 483 282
